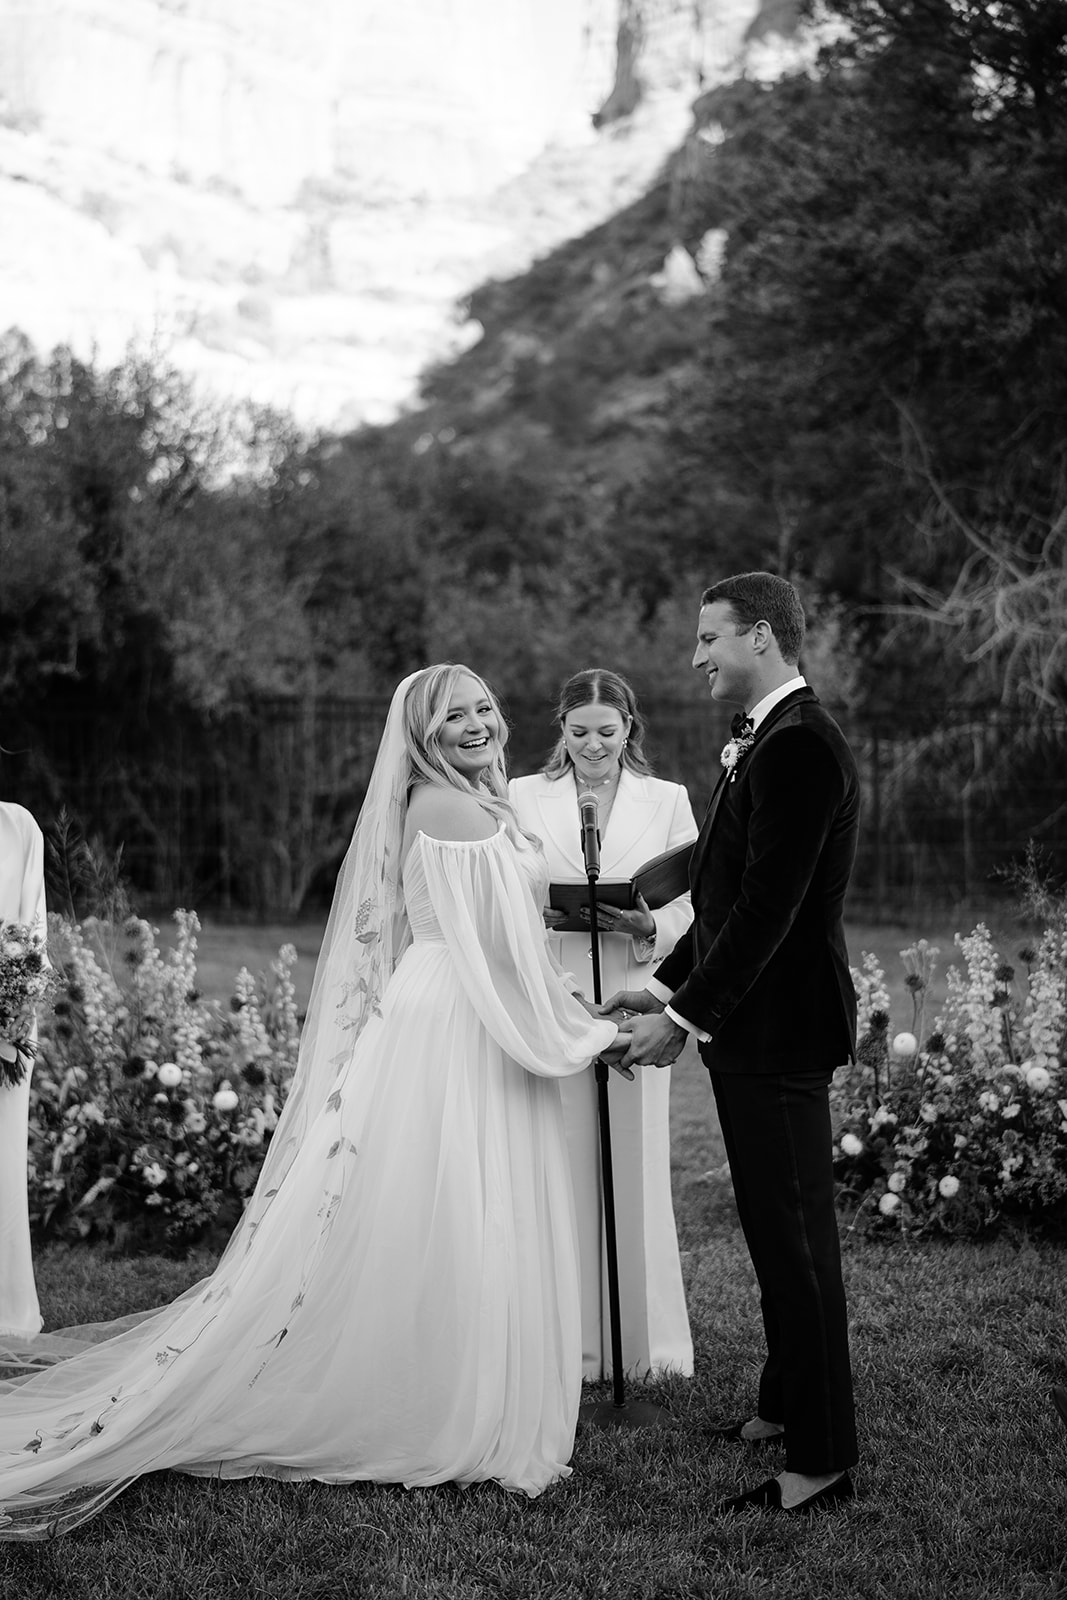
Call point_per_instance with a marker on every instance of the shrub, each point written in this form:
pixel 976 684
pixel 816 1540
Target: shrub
pixel 968 1129
pixel 151 1107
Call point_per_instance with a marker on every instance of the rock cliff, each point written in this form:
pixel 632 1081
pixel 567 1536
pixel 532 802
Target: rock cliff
pixel 289 197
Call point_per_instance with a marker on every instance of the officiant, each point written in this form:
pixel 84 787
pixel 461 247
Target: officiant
pixel 600 750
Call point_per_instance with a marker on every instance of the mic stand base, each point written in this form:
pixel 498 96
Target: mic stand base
pixel 628 1414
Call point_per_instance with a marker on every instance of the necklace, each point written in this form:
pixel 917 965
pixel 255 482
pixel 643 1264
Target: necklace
pixel 589 783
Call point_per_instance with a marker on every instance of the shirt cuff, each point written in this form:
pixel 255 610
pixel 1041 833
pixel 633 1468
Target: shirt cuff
pixel 659 991
pixel 701 1035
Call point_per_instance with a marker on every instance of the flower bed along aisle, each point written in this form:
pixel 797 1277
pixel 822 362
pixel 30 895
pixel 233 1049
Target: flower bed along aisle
pixel 966 1127
pixel 151 1107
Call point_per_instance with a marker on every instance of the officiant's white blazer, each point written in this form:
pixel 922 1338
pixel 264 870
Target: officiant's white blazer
pixel 649 816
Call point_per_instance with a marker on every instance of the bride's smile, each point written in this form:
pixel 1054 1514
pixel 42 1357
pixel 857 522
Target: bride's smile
pixel 470 735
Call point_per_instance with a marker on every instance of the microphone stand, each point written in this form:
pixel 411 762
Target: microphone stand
pixel 618 1412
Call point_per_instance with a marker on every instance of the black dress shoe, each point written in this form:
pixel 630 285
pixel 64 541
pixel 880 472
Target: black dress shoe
pixel 732 1431
pixel 1059 1400
pixel 768 1497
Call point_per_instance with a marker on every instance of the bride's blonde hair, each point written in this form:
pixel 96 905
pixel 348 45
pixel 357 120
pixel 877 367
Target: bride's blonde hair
pixel 425 713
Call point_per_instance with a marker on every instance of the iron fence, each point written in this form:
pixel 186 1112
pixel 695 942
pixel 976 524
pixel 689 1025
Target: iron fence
pixel 250 813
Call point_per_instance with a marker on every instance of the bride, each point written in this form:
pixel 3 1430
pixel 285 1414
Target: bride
pixel 400 1299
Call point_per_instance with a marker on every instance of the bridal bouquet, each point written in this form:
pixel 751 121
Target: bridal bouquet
pixel 25 979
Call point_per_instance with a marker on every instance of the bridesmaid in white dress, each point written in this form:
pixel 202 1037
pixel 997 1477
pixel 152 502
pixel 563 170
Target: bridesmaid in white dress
pixel 400 1299
pixel 21 900
pixel 600 748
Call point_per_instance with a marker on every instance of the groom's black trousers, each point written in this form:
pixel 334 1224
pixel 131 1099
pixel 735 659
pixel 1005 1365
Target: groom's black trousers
pixel 776 1129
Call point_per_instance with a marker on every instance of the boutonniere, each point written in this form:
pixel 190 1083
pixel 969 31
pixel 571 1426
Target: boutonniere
pixel 734 750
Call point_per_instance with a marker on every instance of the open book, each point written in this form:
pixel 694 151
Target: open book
pixel 660 880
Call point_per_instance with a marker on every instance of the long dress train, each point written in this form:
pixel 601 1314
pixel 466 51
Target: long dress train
pixel 403 1306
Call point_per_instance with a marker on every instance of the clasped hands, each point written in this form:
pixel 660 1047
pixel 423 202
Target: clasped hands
pixel 650 1039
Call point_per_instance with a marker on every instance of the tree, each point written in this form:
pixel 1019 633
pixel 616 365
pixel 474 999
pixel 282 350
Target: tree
pixel 1004 611
pixel 897 226
pixel 132 572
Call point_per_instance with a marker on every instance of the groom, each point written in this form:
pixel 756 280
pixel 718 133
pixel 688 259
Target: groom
pixel 762 980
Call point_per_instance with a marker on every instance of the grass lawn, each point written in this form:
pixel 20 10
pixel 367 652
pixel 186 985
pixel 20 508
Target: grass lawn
pixel 963 1484
pixel 225 947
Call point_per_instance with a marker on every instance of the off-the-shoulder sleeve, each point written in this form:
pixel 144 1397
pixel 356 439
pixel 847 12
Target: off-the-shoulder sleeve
pixel 495 936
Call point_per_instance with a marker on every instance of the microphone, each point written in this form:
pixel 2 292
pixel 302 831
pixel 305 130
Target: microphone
pixel 588 807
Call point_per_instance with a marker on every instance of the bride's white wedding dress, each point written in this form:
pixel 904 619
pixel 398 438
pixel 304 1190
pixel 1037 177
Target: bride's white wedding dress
pixel 403 1305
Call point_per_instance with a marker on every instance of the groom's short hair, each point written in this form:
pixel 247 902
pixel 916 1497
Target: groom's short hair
pixel 761 597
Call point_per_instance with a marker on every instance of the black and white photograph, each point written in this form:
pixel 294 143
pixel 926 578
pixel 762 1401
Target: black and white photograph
pixel 533 799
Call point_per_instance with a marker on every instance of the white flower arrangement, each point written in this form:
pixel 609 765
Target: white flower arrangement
pixel 151 1107
pixel 970 1127
pixel 872 995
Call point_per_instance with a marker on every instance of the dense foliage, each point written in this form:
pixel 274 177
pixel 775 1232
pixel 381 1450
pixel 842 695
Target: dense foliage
pixel 883 367
pixel 130 577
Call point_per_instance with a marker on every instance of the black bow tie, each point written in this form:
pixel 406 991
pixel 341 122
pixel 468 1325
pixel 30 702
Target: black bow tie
pixel 740 726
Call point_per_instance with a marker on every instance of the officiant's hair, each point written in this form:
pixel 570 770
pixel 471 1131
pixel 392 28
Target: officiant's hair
pixel 763 597
pixel 597 686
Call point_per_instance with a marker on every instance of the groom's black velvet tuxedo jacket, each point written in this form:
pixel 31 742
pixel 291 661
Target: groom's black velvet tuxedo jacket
pixel 763 968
